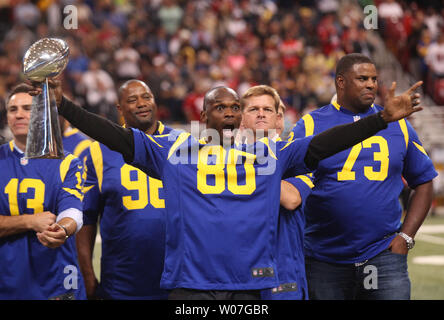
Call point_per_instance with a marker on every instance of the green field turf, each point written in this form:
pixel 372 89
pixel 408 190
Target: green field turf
pixel 427 280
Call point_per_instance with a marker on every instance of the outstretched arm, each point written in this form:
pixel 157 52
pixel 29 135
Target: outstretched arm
pixel 103 130
pixel 342 137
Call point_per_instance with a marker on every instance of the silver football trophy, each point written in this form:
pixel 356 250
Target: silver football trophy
pixel 45 59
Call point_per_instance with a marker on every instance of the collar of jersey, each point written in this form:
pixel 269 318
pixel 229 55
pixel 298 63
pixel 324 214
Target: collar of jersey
pixel 370 110
pixel 15 149
pixel 205 141
pixel 276 138
pixel 159 130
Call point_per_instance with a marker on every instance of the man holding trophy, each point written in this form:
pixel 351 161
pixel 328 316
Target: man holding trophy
pixel 40 208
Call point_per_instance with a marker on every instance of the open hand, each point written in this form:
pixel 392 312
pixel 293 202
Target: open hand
pixel 398 107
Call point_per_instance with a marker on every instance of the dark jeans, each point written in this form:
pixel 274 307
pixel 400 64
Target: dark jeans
pixel 192 294
pixel 383 277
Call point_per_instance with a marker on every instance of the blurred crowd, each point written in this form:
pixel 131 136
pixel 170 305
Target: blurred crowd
pixel 183 48
pixel 414 32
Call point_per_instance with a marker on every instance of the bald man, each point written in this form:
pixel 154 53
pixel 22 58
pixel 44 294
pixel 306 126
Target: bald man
pixel 131 207
pixel 221 112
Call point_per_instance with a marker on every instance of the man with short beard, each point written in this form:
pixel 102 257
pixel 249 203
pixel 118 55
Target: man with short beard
pixel 355 244
pixel 131 207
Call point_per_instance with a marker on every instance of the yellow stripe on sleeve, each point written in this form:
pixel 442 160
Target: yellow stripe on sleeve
pixel 152 139
pixel 306 180
pixel 81 147
pixel 86 189
pixel 97 159
pixel 290 136
pixel 421 148
pixel 288 143
pixel 309 125
pixel 64 166
pixel 75 193
pixel 309 129
pixel 290 140
pixel 267 143
pixel 405 131
pixel 182 137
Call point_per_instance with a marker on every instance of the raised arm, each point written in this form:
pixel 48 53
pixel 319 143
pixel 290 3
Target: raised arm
pixel 103 130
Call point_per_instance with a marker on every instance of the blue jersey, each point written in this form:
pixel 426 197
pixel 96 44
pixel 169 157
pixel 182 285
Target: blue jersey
pixel 223 206
pixel 131 206
pixel 29 270
pixel 290 249
pixel 76 143
pixel 353 211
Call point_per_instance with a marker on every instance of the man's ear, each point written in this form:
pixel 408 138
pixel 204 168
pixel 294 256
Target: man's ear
pixel 340 81
pixel 203 116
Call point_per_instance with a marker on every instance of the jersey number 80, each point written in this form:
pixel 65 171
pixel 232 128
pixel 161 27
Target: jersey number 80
pixel 225 159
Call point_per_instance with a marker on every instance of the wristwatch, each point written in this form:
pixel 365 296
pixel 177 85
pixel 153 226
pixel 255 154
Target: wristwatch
pixel 409 240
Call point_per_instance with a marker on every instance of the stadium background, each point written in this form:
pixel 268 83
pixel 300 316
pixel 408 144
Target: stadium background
pixel 183 48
